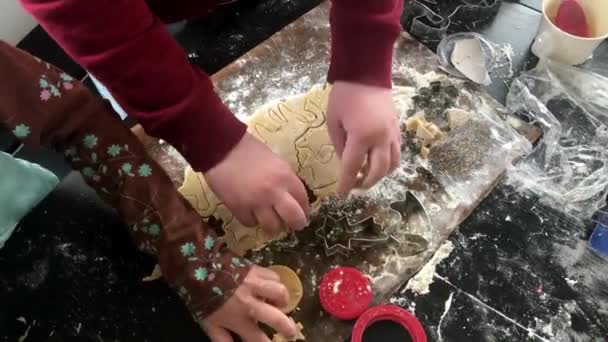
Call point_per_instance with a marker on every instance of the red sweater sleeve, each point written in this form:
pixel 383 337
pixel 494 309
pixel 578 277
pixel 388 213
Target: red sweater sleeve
pixel 128 49
pixel 363 34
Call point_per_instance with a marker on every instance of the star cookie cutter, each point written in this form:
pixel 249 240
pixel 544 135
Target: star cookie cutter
pixel 343 233
pixel 425 20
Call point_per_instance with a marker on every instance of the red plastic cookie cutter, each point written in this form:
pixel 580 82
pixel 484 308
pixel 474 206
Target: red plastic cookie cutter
pixel 389 313
pixel 345 293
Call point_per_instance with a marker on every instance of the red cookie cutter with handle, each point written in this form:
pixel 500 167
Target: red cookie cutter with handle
pixel 389 313
pixel 345 293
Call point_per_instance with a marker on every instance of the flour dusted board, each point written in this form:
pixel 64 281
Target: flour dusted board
pixel 293 61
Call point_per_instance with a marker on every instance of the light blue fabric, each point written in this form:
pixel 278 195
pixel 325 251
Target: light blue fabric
pixel 105 93
pixel 22 186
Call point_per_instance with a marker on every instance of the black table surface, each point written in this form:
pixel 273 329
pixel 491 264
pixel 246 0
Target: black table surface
pixel 519 270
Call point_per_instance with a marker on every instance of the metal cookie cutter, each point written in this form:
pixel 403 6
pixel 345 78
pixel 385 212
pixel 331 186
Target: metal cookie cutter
pixel 342 234
pixel 339 236
pixel 429 20
pixel 414 218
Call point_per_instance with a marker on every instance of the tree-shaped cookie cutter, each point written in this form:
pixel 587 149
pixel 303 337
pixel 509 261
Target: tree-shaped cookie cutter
pixel 422 18
pixel 340 236
pixel 345 233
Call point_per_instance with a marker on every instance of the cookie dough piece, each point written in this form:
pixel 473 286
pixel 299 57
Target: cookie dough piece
pixel 457 117
pixel 427 132
pixel 292 282
pixel 424 152
pixel 435 131
pixel 300 337
pixel 156 274
pixel 426 136
pixel 414 122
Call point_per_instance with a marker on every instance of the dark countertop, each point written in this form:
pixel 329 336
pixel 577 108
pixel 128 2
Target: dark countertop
pixel 519 271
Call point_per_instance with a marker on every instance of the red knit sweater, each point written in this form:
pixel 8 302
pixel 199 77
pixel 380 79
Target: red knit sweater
pixel 125 45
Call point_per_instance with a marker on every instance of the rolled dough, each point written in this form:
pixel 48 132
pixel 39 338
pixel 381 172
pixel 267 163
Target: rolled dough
pixel 294 129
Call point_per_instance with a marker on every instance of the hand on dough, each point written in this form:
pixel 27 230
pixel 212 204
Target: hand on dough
pixel 364 127
pixel 256 300
pixel 259 188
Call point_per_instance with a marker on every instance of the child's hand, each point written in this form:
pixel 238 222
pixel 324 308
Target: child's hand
pixel 260 188
pixel 364 127
pixel 256 300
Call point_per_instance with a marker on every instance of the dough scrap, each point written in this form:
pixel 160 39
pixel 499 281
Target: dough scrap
pixel 414 122
pixel 427 132
pixel 424 152
pixel 296 130
pixel 292 282
pixel 300 337
pixel 156 274
pixel 457 117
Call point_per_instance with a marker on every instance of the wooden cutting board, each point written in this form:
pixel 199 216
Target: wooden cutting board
pixel 450 185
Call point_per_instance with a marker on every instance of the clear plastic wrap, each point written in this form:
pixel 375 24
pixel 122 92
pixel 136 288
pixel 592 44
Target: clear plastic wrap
pixel 569 166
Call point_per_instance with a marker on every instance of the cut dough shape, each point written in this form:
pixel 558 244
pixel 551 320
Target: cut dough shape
pixel 457 117
pixel 292 282
pixel 294 129
pixel 424 152
pixel 156 274
pixel 300 337
pixel 414 122
pixel 427 132
pixel 425 135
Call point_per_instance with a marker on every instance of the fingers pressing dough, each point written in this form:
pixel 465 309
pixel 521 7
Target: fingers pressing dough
pixel 292 282
pixel 296 130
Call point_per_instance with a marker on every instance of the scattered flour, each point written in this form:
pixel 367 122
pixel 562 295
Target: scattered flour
pixel 399 301
pixel 448 305
pixel 502 67
pixel 313 279
pixel 412 307
pixel 23 337
pixel 571 282
pixel 476 236
pixel 548 330
pixel 404 303
pixel 543 327
pixel 421 80
pixel 336 288
pixel 420 283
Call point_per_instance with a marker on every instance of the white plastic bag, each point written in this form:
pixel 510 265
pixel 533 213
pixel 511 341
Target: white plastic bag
pixel 569 167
